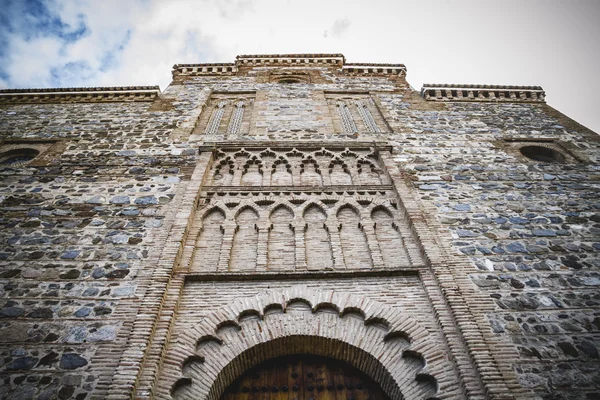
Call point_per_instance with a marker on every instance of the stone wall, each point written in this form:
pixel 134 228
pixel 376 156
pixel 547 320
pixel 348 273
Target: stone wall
pixel 120 223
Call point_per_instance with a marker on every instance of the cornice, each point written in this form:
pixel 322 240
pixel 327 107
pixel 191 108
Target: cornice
pixel 374 69
pixel 79 95
pixel 332 61
pixel 483 93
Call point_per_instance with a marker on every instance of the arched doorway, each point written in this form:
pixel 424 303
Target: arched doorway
pixel 304 377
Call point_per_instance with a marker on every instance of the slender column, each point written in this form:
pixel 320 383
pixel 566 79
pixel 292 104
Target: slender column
pixel 353 170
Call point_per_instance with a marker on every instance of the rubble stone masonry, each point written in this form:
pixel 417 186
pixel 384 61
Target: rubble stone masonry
pixel 157 245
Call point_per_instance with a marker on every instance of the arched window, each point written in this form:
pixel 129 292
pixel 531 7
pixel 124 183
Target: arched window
pixel 215 119
pixel 542 154
pixel 18 157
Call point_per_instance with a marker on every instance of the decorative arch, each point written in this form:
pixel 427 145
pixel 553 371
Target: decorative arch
pixel 224 172
pixel 391 244
pixel 310 174
pixel 244 251
pixel 319 254
pixel 391 348
pixel 368 173
pixel 354 243
pixel 210 238
pixel 339 172
pixel 281 245
pixel 252 172
pixel 281 172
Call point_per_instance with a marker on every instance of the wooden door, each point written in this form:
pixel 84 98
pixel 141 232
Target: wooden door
pixel 304 377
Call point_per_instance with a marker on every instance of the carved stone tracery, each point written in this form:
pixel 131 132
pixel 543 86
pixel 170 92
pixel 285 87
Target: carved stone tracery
pixel 299 209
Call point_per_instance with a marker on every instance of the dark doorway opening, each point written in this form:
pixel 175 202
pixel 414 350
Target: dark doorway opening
pixel 304 377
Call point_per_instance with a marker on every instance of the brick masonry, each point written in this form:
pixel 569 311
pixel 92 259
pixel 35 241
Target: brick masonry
pixel 156 245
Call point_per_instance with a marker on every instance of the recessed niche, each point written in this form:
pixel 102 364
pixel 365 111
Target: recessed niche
pixel 18 157
pixel 541 150
pixel 542 154
pixel 288 81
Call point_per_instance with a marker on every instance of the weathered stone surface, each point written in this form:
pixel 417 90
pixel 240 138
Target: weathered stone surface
pixel 451 229
pixel 72 361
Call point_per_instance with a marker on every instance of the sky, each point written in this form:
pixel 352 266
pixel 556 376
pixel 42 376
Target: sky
pixel 551 43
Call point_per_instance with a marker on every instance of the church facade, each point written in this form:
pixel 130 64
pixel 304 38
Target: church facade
pixel 297 227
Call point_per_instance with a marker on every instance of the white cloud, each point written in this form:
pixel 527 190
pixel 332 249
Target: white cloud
pixel 340 26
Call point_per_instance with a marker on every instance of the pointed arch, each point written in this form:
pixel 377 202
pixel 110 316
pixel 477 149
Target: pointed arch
pixel 391 245
pixel 310 174
pixel 354 241
pixel 281 246
pixel 244 251
pixel 339 173
pixel 281 174
pixel 252 172
pixel 210 240
pixel 319 254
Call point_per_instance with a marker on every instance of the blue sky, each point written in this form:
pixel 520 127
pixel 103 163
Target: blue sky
pixel 551 43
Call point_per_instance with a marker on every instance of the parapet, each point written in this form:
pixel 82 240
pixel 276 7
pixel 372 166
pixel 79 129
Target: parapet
pixel 332 61
pixel 479 93
pixel 80 95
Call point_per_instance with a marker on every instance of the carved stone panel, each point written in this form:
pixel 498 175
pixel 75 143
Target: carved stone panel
pixel 238 166
pixel 298 209
pixel 355 112
pixel 226 114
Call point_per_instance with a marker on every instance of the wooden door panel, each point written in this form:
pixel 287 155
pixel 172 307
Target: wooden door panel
pixel 303 377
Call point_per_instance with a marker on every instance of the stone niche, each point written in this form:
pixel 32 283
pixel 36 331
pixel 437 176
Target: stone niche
pixel 226 113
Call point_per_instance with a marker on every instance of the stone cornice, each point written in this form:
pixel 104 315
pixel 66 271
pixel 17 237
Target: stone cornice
pixel 333 61
pixel 479 93
pixel 374 69
pixel 79 95
pixel 291 59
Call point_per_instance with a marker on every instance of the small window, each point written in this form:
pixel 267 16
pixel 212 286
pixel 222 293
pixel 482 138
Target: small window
pixel 542 154
pixel 286 81
pixel 18 157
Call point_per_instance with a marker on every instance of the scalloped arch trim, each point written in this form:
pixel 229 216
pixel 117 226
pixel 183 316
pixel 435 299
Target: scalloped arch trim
pixel 391 348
